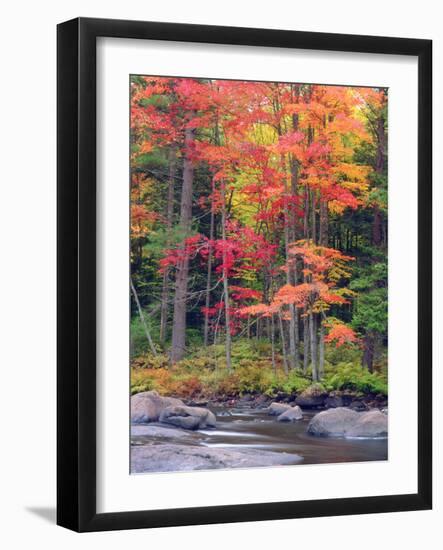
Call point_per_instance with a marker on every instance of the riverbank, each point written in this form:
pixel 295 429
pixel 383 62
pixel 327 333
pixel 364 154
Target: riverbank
pixel 204 416
pixel 314 398
pixel 203 376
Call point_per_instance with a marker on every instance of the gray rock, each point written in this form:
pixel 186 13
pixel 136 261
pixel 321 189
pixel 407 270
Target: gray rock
pixel 189 418
pixel 246 398
pixel 358 406
pixel 385 410
pixel 202 403
pixel 161 432
pixel 262 400
pixel 182 421
pixel 312 397
pixel 173 458
pixel 333 401
pixel 349 423
pixel 147 406
pixel 276 409
pixel 291 415
pixel 369 424
pixel 333 422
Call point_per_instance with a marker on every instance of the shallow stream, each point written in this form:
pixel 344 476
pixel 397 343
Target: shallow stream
pixel 242 428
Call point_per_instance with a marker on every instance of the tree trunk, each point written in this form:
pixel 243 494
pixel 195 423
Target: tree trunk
pixel 381 146
pixel 273 343
pixel 287 235
pixel 293 236
pixel 314 218
pixel 142 319
pixel 181 280
pixel 208 280
pixel 321 346
pixel 164 311
pixel 305 316
pixel 306 214
pixel 305 343
pixel 292 347
pixel 323 230
pixel 368 352
pixel 377 236
pixel 313 342
pixel 211 238
pixel 376 227
pixel 225 283
pixel 283 343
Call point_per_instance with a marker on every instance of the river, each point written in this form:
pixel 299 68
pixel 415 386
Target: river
pixel 249 429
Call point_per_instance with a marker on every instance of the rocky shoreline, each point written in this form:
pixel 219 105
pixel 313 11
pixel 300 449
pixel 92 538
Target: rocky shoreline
pixel 172 440
pixel 311 399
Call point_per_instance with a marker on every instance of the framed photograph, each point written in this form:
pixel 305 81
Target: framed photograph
pixel 244 274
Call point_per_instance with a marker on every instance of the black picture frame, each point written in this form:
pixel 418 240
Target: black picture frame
pixel 76 265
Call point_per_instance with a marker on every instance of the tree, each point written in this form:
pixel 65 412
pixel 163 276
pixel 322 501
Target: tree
pixel 370 315
pixel 181 278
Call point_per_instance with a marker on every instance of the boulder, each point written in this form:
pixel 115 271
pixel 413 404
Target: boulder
pixel 333 422
pixel 262 401
pixel 147 406
pixel 291 415
pixel 139 433
pixel 312 397
pixel 369 424
pixel 276 409
pixel 168 457
pixel 342 422
pixel 189 418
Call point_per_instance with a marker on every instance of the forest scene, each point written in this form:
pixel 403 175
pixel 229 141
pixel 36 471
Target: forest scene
pixel 259 275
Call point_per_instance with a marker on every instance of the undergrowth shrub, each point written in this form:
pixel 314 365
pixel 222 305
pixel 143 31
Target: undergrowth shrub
pixel 351 376
pixel 294 382
pixel 203 373
pixel 151 361
pixel 151 379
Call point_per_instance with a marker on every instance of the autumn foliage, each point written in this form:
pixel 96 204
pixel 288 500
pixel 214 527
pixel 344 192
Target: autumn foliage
pixel 242 197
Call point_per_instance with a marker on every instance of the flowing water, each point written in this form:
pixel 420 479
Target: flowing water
pixel 252 428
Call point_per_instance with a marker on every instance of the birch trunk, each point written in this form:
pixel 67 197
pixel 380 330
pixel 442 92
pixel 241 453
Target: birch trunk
pixel 142 319
pixel 226 285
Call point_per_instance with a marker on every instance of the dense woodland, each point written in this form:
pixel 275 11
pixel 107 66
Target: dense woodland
pixel 258 219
